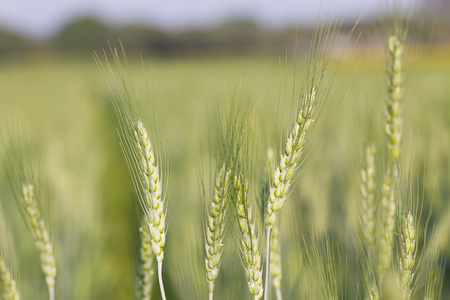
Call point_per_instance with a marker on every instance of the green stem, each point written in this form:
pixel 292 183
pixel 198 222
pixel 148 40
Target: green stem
pixel 278 293
pixel 161 286
pixel 51 292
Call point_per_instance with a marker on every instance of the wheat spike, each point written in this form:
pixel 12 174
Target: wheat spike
pixel 281 179
pixel 387 225
pixel 408 246
pixel 153 198
pixel 248 237
pixel 145 268
pixel 153 192
pixel 8 284
pixel 368 197
pixel 41 237
pixel 216 227
pixel 393 120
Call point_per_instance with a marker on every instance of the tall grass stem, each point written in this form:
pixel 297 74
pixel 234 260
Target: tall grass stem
pixel 161 285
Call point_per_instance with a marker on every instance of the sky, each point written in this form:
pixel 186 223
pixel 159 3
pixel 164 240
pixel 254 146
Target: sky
pixel 41 18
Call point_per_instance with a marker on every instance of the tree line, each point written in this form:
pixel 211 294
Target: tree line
pixel 234 37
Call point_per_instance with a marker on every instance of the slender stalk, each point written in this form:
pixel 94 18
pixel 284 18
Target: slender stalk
pixel 51 292
pixel 161 285
pixel 278 294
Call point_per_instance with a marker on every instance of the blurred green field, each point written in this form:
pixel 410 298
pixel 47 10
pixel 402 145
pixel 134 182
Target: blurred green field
pixel 64 105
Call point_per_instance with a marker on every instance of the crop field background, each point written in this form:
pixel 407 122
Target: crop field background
pixel 63 104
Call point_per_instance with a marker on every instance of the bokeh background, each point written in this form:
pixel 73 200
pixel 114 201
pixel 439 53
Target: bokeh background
pixel 197 55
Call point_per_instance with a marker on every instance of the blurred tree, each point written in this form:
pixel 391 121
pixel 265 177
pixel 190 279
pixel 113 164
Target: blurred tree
pixel 241 36
pixel 83 33
pixel 146 39
pixel 12 43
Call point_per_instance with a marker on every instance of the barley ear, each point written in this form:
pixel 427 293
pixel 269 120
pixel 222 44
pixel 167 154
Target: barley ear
pixel 368 198
pixel 324 38
pixel 40 236
pixel 139 154
pixel 387 224
pixel 274 245
pixel 408 256
pixel 153 196
pixel 248 237
pixel 215 227
pixel 145 267
pixel 7 283
pixel 154 202
pixel 282 175
pixel 393 120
